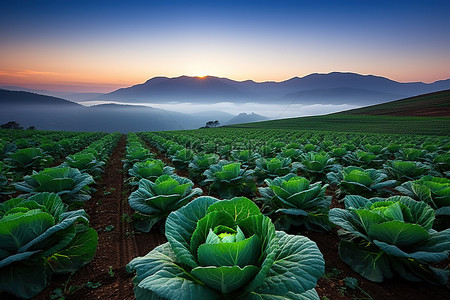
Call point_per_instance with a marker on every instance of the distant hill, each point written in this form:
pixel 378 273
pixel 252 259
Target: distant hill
pixel 332 88
pixel 51 113
pixel 246 118
pixel 435 104
pixel 71 96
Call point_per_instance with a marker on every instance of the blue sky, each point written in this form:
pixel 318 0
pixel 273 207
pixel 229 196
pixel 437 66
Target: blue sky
pixel 102 45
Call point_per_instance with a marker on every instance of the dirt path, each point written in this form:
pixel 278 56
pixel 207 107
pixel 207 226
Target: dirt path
pixel 110 215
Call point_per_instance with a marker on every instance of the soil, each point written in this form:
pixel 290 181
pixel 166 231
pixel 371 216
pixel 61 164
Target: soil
pixel 106 278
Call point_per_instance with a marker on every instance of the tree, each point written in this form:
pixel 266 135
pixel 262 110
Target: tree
pixel 11 125
pixel 212 124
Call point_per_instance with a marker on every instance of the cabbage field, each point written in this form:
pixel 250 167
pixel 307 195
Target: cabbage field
pixel 225 213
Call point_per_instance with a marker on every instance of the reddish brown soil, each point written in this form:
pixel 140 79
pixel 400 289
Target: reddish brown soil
pixel 117 246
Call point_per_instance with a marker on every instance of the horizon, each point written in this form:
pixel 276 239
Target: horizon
pixel 66 88
pixel 85 46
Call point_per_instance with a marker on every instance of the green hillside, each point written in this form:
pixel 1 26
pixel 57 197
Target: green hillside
pixel 427 114
pixel 427 105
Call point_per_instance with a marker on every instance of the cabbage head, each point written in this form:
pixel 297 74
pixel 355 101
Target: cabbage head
pixel 359 181
pixel 293 200
pixel 226 249
pixel 153 201
pixel 38 238
pixel 381 237
pixel 69 183
pixel 228 179
pixel 150 169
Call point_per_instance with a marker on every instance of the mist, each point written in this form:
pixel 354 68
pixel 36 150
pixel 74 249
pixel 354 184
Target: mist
pixel 272 111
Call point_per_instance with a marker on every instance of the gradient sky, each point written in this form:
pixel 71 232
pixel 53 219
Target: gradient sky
pixel 98 46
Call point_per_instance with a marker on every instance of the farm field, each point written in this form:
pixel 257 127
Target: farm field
pixel 309 183
pixel 426 114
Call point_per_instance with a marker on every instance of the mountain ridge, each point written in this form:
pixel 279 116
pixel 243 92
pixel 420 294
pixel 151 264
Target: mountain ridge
pixel 212 89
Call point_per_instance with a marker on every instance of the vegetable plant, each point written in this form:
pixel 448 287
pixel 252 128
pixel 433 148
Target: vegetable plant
pixel 359 181
pixel 150 169
pixel 273 167
pixel 381 237
pixel 85 162
pixel 405 170
pixel 246 157
pixel 153 201
pixel 38 238
pixel 293 200
pixel 69 183
pixel 228 179
pixel 435 191
pixel 182 158
pixel 200 163
pixel 25 160
pixel 227 250
pixel 315 165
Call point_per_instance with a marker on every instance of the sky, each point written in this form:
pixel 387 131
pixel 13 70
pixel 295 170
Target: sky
pixel 99 46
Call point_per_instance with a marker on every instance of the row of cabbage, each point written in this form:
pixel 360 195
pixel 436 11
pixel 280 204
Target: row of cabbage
pixel 44 231
pixel 23 156
pixel 380 236
pixel 216 247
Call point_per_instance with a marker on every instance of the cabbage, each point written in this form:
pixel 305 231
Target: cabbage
pixel 227 248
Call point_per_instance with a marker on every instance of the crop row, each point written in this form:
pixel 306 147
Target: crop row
pixel 292 184
pixel 44 231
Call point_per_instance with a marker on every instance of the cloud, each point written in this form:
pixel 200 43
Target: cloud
pixel 25 73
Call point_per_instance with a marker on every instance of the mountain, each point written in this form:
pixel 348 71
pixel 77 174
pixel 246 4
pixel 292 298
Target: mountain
pixel 246 118
pixel 71 96
pixel 51 113
pixel 180 89
pixel 331 88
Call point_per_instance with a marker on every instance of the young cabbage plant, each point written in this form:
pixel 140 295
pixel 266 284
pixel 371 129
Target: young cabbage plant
pixel 85 162
pixel 182 158
pixel 293 154
pixel 246 157
pixel 357 181
pixel 412 154
pixel 136 154
pixel 153 201
pixel 200 163
pixel 441 163
pixel 405 170
pixel 5 187
pixel 363 159
pixel 228 179
pixel 381 237
pixel 226 249
pixel 273 167
pixel 150 169
pixel 38 238
pixel 435 191
pixel 316 165
pixel 293 201
pixel 24 160
pixel 70 184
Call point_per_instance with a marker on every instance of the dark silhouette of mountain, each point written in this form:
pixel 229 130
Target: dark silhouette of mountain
pixel 71 96
pixel 246 118
pixel 180 89
pixel 51 113
pixel 332 88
